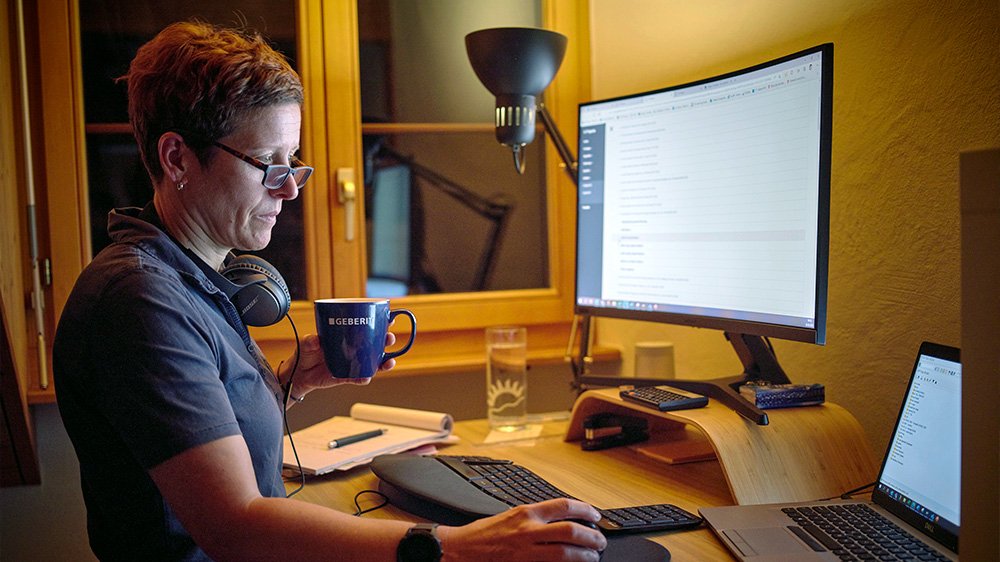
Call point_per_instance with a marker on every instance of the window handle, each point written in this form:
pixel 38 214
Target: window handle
pixel 347 195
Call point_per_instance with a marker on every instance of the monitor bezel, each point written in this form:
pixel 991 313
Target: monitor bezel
pixel 815 334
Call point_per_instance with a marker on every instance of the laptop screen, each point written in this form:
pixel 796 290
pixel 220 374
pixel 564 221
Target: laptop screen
pixel 921 473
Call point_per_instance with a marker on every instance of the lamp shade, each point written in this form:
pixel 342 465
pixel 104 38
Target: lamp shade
pixel 515 64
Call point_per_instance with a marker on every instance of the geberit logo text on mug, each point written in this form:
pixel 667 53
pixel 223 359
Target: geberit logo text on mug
pixel 349 321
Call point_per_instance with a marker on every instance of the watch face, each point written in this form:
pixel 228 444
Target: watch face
pixel 419 547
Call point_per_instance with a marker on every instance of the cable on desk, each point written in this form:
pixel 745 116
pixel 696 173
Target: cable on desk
pixel 360 512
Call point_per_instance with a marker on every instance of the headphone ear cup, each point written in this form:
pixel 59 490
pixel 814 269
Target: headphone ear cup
pixel 262 298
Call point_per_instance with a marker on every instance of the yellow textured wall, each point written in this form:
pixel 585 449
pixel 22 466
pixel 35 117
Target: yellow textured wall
pixel 915 83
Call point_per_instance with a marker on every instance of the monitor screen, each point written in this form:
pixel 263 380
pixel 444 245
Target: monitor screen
pixel 707 204
pixel 921 473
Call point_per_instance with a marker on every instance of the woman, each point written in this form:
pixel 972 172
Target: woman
pixel 173 411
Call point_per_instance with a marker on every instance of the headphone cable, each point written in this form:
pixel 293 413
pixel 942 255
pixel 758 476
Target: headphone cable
pixel 284 404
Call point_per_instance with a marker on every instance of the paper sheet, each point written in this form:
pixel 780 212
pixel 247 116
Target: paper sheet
pixel 405 429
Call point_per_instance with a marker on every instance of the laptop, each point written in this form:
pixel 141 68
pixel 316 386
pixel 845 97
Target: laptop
pixel 913 513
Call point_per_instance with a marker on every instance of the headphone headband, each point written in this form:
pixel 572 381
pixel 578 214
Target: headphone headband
pixel 262 298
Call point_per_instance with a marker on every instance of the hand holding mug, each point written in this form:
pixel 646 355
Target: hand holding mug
pixel 311 372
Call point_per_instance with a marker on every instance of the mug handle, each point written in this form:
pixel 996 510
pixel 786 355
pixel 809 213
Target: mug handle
pixel 413 334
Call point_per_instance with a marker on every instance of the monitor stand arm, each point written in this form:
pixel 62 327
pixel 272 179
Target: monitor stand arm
pixel 759 364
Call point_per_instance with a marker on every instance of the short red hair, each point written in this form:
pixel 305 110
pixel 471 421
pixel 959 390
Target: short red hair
pixel 206 80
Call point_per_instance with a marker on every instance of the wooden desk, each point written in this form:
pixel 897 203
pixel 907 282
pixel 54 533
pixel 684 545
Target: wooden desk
pixel 611 478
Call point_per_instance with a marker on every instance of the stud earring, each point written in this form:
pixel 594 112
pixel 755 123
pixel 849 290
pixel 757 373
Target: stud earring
pixel 180 186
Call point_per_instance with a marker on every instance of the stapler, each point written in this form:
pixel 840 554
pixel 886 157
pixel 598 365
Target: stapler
pixel 605 430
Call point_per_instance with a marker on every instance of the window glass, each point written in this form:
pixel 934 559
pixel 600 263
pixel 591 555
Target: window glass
pixel 446 210
pixel 110 33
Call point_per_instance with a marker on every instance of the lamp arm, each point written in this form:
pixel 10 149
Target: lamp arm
pixel 497 212
pixel 491 209
pixel 560 143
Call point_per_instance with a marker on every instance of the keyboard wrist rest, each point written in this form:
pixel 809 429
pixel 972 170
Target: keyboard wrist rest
pixel 428 488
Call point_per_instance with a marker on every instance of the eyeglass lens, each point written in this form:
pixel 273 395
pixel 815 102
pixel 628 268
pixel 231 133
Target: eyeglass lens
pixel 277 176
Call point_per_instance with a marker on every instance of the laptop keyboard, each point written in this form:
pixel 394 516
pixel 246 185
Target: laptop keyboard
pixel 857 532
pixel 515 485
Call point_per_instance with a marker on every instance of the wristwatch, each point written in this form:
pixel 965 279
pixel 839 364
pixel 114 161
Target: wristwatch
pixel 420 544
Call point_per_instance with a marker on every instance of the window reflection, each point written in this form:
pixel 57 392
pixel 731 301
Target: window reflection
pixel 435 176
pixel 460 233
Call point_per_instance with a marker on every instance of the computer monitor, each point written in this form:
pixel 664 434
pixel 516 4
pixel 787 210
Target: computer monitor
pixel 708 205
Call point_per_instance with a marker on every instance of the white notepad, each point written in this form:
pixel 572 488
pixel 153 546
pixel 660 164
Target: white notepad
pixel 405 429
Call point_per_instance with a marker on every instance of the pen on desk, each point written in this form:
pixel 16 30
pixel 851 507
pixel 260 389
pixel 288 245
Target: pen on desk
pixel 354 438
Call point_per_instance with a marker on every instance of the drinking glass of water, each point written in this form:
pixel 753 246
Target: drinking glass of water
pixel 507 377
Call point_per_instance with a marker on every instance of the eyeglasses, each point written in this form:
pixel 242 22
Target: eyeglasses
pixel 275 175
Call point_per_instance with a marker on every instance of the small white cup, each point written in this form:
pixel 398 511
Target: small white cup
pixel 654 359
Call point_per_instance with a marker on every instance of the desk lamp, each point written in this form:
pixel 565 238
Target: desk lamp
pixel 516 64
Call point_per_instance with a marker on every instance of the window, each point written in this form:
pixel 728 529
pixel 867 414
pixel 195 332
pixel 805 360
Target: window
pixel 331 263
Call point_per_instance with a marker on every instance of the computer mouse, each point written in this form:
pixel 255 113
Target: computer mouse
pixel 585 523
pixel 591 525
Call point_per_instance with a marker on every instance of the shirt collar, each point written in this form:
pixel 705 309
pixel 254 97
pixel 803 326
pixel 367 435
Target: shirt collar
pixel 144 228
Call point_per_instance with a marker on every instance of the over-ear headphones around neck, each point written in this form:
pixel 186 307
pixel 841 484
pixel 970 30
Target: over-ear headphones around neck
pixel 262 297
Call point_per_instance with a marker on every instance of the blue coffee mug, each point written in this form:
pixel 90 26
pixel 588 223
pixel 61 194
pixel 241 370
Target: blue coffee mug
pixel 352 334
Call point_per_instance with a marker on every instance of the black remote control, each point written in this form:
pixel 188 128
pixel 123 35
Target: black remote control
pixel 664 398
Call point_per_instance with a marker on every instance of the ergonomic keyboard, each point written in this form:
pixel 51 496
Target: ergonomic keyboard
pixel 455 490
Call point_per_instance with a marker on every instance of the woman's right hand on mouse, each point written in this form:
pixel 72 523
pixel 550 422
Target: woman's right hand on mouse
pixel 530 533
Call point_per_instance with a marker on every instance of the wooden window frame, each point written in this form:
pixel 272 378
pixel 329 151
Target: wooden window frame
pixel 450 331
